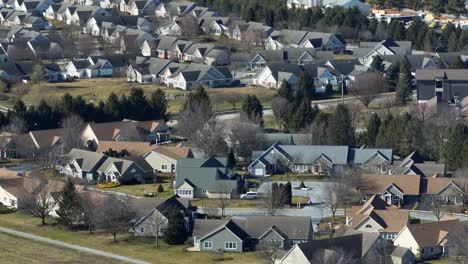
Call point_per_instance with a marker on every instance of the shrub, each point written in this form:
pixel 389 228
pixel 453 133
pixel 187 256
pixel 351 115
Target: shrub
pixel 109 185
pixel 160 188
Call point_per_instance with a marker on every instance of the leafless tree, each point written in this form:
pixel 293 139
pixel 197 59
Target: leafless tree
pixel 224 198
pixel 49 156
pixel 368 86
pixel 116 215
pixel 210 138
pixel 72 126
pixel 39 201
pixel 281 108
pixel 233 99
pixel 16 126
pixel 435 205
pixel 461 179
pixel 459 241
pixel 270 250
pixel 272 201
pixel 21 89
pixel 336 194
pixel 315 134
pixel 85 44
pixel 254 37
pixel 192 119
pixel 91 204
pixel 380 252
pixel 244 137
pixel 189 26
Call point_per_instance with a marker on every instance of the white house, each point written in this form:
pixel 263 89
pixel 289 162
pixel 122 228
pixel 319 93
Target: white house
pixel 164 158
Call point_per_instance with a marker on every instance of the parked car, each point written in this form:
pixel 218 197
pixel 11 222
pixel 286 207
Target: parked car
pixel 249 196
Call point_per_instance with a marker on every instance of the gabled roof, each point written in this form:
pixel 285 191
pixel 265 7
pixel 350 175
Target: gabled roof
pixel 134 148
pixel 447 74
pixel 89 161
pixel 46 138
pixel 174 152
pixel 377 184
pixel 437 185
pixel 432 234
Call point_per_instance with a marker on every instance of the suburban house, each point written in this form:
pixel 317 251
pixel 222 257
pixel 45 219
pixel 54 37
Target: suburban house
pixel 367 51
pixel 251 233
pixel 125 170
pixel 164 158
pixel 253 32
pixel 449 85
pixel 153 214
pixel 206 178
pixel 320 160
pixel 396 190
pixel 299 56
pixel 304 39
pixel 153 131
pixel 352 247
pixel 364 8
pixel 125 148
pixel 431 240
pixel 377 216
pixel 415 165
pixel 13 191
pixel 445 189
pixel 84 68
pixel 82 164
pixel 273 74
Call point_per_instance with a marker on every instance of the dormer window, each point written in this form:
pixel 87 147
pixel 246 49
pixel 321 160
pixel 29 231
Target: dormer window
pixel 368 226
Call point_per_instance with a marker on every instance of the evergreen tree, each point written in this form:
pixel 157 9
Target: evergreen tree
pixel 377 64
pixel 69 211
pixel 305 87
pixel 158 105
pixel 403 91
pixel 458 63
pixel 301 116
pixel 285 91
pixel 452 44
pixel 453 146
pixel 463 41
pixel 231 158
pixel 137 104
pixel 37 74
pixel 392 75
pixel 252 109
pixel 199 97
pixel 175 233
pixel 340 129
pixel 160 188
pixel 429 41
pixel 455 7
pixel 372 129
pixel 113 107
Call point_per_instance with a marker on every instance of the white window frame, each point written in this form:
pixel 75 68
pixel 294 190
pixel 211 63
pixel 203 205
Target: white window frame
pixel 142 229
pixel 205 243
pixel 164 167
pixel 230 245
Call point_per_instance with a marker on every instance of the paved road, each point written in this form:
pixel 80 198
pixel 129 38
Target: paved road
pixel 70 246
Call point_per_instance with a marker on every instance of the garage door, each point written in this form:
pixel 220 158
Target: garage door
pixel 259 172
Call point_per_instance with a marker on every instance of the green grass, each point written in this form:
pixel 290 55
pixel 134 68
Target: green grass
pixel 127 246
pixel 233 203
pixel 295 177
pixel 142 189
pixel 15 250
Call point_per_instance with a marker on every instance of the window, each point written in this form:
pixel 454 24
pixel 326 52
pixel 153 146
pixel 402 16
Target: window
pixel 203 191
pixel 368 226
pixel 230 245
pixel 438 84
pixel 432 250
pixel 395 197
pixel 317 168
pixel 164 167
pixel 384 168
pixel 208 244
pixel 142 230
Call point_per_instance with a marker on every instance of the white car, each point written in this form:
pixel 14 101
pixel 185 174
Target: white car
pixel 249 196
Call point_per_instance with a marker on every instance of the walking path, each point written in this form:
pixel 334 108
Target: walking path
pixel 70 246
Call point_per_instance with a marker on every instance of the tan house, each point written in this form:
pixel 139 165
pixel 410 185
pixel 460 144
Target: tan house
pixel 164 158
pixel 445 189
pixel 131 148
pixel 429 240
pixel 393 189
pixel 378 217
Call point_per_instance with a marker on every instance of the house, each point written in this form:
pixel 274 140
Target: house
pixel 172 28
pixel 125 171
pixel 352 247
pixel 431 240
pixel 368 50
pixel 155 131
pixel 304 4
pixel 153 214
pixel 272 75
pixel 446 189
pixel 396 190
pixel 320 160
pixel 304 39
pixel 82 164
pixel 14 191
pixel 253 32
pixel 448 85
pixel 147 72
pixel 205 178
pixel 191 75
pixel 251 233
pixel 414 164
pixel 29 144
pixel 363 7
pixel 299 56
pixel 376 216
pixel 130 148
pixel 164 158
pixel 119 63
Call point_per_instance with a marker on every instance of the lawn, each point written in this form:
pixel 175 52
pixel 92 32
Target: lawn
pixel 295 177
pixel 142 189
pixel 241 203
pixel 15 250
pixel 127 246
pixel 97 89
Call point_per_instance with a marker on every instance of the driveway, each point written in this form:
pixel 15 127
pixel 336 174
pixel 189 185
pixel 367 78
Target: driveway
pixel 315 193
pixel 70 246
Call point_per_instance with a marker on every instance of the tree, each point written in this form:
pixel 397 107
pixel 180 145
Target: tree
pixel 273 199
pixel 244 137
pixel 452 44
pixel 157 105
pixel 69 211
pixel 233 99
pixel 175 233
pixel 38 201
pixel 37 74
pixel 368 86
pixel 455 137
pixel 160 188
pixel 372 129
pixel 210 138
pixel 231 158
pixel 403 91
pixel 280 107
pixel 224 198
pixel 91 204
pixel 340 129
pixel 188 26
pixel 285 91
pixel 72 126
pixel 116 214
pixel 252 109
pixel 458 63
pixel 305 87
pixel 377 64
pixel 335 194
pixel 197 110
pixel 435 205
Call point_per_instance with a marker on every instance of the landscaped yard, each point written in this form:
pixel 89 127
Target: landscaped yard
pixel 295 177
pixel 142 189
pixel 241 203
pixel 15 250
pixel 127 245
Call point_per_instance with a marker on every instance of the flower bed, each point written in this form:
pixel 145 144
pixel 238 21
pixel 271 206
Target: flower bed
pixel 109 185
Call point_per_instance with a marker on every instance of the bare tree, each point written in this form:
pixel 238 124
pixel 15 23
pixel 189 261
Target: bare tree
pixel 116 215
pixel 461 178
pixel 368 86
pixel 91 204
pixel 244 137
pixel 233 99
pixel 192 119
pixel 16 126
pixel 254 37
pixel 39 201
pixel 270 250
pixel 224 198
pixel 315 133
pixel 336 194
pixel 435 204
pixel 72 128
pixel 272 200
pixel 210 138
pixel 189 26
pixel 281 107
pixel 459 241
pixel 50 156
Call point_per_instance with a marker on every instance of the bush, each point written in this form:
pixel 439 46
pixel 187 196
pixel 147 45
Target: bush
pixel 160 188
pixel 302 185
pixel 5 210
pixel 109 185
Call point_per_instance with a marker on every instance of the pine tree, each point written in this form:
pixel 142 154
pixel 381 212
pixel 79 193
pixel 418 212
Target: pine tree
pixel 285 91
pixel 458 63
pixel 340 129
pixel 175 233
pixel 305 87
pixel 392 75
pixel 198 97
pixel 252 109
pixel 403 91
pixel 158 105
pixel 377 64
pixel 69 211
pixel 373 129
pixel 137 104
pixel 452 44
pixel 453 146
pixel 231 158
pixel 160 188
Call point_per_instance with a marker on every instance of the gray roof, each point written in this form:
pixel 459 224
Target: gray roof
pixel 449 74
pixel 88 160
pixel 349 246
pixel 361 155
pixel 309 153
pixel 122 165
